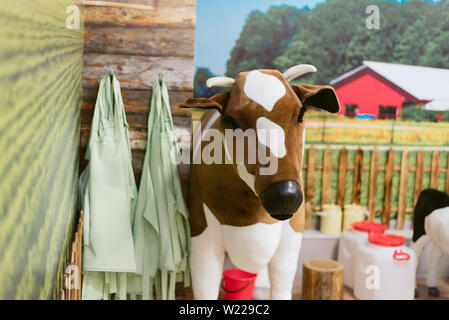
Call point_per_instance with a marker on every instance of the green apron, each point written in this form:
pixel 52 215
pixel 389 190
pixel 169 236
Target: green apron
pixel 161 228
pixel 108 192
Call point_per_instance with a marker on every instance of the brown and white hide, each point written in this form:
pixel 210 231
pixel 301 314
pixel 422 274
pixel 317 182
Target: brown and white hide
pixel 250 204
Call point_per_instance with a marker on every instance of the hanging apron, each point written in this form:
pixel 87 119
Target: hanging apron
pixel 108 192
pixel 161 229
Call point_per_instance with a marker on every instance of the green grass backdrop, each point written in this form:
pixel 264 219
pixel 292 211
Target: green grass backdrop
pixel 40 95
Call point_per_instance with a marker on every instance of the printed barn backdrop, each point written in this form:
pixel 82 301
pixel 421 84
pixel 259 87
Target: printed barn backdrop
pixel 40 96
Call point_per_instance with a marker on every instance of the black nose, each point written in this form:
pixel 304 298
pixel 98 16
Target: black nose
pixel 282 199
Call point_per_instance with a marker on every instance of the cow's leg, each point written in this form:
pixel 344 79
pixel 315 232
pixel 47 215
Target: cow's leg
pixel 262 285
pixel 432 277
pixel 206 260
pixel 418 247
pixel 282 267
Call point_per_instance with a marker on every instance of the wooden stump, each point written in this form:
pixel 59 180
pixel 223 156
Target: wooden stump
pixel 322 280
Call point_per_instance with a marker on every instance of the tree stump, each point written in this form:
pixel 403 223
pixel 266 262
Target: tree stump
pixel 322 280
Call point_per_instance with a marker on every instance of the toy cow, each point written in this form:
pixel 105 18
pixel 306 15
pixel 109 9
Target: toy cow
pixel 242 208
pixel 431 224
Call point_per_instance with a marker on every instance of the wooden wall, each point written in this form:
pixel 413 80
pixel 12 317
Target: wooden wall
pixel 138 44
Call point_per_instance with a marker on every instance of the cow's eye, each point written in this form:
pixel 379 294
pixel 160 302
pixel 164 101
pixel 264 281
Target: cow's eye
pixel 302 111
pixel 229 120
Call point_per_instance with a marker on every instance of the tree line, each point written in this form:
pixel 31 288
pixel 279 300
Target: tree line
pixel 333 37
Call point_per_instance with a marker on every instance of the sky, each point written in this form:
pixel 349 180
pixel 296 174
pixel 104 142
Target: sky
pixel 219 23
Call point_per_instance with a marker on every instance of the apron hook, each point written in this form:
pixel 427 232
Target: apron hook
pixel 161 76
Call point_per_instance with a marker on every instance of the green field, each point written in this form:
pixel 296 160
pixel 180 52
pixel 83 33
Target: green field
pixel 336 129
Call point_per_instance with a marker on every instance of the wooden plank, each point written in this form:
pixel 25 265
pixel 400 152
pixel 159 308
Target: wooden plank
pixel 342 177
pixel 138 72
pixel 357 185
pixel 403 190
pixel 149 41
pixel 392 209
pixel 327 170
pixel 76 265
pixel 373 185
pixel 388 184
pixel 137 105
pixel 125 4
pixel 156 4
pixel 67 291
pixel 434 170
pixel 152 3
pixel 138 134
pixel 447 174
pixel 419 175
pixel 309 187
pixel 182 14
pixel 80 252
pixel 172 3
pixel 379 168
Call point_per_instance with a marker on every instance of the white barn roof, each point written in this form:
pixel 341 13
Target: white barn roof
pixel 437 105
pixel 423 83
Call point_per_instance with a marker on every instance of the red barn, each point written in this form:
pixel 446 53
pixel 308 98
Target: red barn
pixel 380 90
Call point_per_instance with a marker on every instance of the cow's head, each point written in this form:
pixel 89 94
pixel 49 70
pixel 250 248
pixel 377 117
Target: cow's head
pixel 263 102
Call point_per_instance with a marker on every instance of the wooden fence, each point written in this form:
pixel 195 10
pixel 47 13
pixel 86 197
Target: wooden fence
pixel 72 274
pixel 400 175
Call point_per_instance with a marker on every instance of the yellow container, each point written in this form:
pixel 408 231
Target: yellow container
pixel 330 219
pixel 352 213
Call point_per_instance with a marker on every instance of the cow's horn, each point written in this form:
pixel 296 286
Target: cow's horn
pixel 297 71
pixel 223 82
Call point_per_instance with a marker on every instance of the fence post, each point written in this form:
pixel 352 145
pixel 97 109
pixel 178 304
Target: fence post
pixel 403 190
pixel 309 187
pixel 327 170
pixel 342 177
pixel 389 169
pixel 373 185
pixel 419 175
pixel 357 176
pixel 72 290
pixel 434 170
pixel 447 174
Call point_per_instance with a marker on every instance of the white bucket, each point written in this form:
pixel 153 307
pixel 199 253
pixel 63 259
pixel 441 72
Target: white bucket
pixel 349 244
pixel 352 213
pixel 330 219
pixel 384 269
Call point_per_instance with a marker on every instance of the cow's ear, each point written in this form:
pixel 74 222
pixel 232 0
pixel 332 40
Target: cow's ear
pixel 219 102
pixel 323 97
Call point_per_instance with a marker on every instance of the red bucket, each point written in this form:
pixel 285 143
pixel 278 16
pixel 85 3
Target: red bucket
pixel 238 284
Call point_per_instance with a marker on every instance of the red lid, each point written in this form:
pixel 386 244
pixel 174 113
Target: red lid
pixel 386 240
pixel 369 226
